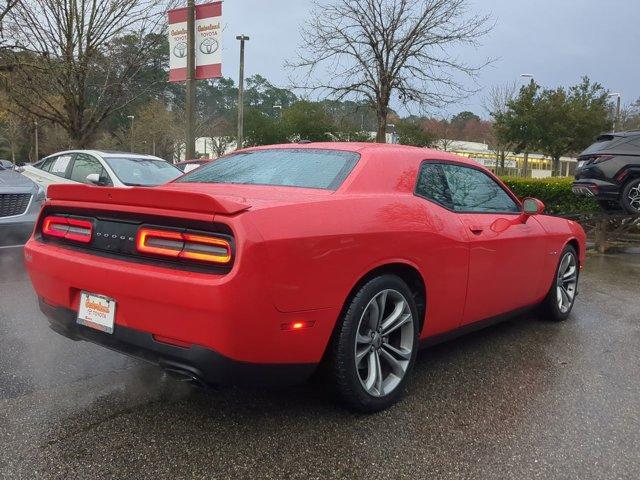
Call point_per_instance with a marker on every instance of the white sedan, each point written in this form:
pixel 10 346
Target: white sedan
pixel 95 167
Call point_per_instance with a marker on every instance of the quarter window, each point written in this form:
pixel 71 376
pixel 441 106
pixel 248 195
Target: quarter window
pixel 432 184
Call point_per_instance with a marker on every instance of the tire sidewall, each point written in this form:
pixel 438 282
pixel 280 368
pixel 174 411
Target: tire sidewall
pixel 353 391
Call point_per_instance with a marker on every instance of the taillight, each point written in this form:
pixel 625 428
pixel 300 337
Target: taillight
pixel 184 245
pixel 68 228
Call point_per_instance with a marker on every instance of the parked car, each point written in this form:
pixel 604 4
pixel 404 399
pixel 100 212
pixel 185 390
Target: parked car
pixel 103 168
pixel 609 170
pixel 6 165
pixel 263 264
pixel 20 202
pixel 190 165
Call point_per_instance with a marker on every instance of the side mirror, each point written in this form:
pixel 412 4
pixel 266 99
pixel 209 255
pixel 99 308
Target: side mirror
pixel 95 179
pixel 532 206
pixel 19 169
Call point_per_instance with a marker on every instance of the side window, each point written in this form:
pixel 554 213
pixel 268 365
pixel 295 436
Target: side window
pixel 45 165
pixel 432 184
pixel 85 165
pixel 60 165
pixel 474 191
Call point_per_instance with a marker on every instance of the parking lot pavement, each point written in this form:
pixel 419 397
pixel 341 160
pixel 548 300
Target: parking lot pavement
pixel 524 399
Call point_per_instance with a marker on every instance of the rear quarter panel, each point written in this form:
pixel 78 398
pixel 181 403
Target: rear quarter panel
pixel 319 251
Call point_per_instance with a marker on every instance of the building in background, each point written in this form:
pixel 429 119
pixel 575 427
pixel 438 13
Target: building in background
pixel 539 165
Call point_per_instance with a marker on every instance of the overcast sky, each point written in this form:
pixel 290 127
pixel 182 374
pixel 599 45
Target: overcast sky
pixel 557 40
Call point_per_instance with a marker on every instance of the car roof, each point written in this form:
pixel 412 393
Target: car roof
pixel 108 154
pixel 373 148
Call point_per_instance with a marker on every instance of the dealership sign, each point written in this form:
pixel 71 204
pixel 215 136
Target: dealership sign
pixel 208 42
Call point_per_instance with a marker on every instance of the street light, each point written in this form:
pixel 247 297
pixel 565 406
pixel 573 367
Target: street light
pixel 616 122
pixel 131 117
pixel 530 76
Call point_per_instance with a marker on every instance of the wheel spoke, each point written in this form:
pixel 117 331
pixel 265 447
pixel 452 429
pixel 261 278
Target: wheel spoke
pixel 394 316
pixel 566 303
pixel 396 365
pixel 361 354
pixel 372 372
pixel 565 263
pixel 570 273
pixel 381 301
pixel 363 339
pixel 401 353
pixel 378 374
pixel 398 322
pixel 374 315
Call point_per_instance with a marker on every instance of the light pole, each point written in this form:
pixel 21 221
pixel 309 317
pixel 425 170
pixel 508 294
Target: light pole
pixel 531 76
pixel 616 121
pixel 132 118
pixel 242 38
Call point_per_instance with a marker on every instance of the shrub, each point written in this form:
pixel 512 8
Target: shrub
pixel 554 192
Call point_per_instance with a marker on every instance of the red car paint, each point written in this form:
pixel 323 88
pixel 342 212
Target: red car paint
pixel 300 252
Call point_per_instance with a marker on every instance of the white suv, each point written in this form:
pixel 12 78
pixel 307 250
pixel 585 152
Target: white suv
pixel 94 167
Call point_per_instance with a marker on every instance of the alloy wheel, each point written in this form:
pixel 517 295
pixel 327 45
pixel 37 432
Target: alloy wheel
pixel 567 282
pixel 384 343
pixel 634 197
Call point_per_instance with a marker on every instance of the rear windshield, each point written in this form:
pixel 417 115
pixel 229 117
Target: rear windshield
pixel 305 168
pixel 142 172
pixel 602 143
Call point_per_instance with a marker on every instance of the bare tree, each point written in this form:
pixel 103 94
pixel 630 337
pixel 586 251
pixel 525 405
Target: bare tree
pixel 78 60
pixel 381 50
pixel 496 103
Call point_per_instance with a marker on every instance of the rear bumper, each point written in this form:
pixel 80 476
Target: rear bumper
pixel 200 364
pixel 596 188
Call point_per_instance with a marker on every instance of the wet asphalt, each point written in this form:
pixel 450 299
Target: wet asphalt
pixel 523 399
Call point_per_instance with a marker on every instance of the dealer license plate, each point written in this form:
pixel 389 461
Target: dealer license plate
pixel 97 311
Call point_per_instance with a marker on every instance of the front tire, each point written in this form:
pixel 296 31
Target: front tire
pixel 375 345
pixel 559 302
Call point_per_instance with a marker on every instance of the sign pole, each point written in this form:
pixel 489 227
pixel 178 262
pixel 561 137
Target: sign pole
pixel 190 151
pixel 240 142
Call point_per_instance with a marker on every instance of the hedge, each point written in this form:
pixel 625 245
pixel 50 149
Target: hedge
pixel 554 192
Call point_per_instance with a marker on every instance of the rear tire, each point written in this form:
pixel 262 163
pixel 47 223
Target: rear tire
pixel 375 344
pixel 559 302
pixel 630 199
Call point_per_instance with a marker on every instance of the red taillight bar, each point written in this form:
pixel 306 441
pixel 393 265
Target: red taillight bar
pixel 68 228
pixel 189 246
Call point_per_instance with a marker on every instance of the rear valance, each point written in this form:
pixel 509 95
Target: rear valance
pixel 147 197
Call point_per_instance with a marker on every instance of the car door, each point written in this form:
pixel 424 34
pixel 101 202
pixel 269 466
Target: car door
pixel 445 261
pixel 506 249
pixel 51 170
pixel 85 165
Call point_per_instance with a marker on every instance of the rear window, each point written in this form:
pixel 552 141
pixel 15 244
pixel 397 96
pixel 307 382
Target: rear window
pixel 305 168
pixel 602 143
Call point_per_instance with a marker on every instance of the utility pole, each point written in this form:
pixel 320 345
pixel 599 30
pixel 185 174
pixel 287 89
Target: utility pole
pixel 190 150
pixel 36 145
pixel 242 38
pixel 616 121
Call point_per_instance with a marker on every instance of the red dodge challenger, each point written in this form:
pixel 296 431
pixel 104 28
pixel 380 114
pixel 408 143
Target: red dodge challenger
pixel 266 263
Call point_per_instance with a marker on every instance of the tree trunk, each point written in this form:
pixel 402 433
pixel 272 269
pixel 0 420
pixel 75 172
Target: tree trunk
pixel 555 167
pixel 381 134
pixel 525 166
pixel 502 156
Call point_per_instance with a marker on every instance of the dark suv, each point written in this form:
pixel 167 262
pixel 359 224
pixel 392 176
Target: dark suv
pixel 609 170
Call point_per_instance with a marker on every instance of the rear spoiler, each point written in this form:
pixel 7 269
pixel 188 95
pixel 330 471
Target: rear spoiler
pixel 148 198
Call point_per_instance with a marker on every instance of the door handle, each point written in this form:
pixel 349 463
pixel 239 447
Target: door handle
pixel 476 229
